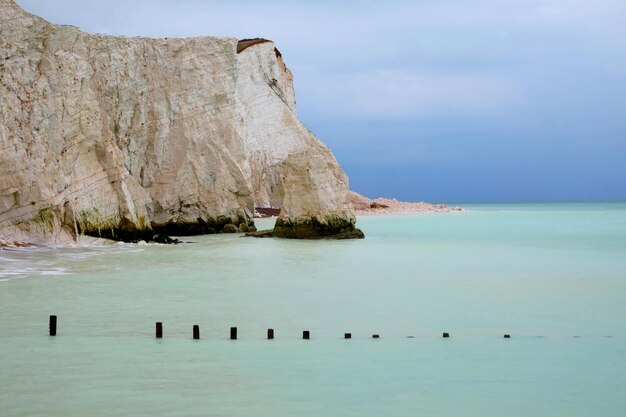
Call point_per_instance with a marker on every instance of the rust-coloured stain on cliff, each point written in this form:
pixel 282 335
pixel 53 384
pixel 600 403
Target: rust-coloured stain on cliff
pixel 243 44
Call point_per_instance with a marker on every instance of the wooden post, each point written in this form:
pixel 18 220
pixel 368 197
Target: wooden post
pixel 233 333
pixel 375 336
pixel 306 335
pixel 507 336
pixel 159 330
pixel 270 334
pixel 446 334
pixel 53 325
pixel 196 332
pixel 347 335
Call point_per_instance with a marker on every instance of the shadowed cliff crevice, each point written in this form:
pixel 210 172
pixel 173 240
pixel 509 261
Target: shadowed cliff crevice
pixel 244 44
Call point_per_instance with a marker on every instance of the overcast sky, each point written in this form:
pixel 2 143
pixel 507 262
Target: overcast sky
pixel 434 100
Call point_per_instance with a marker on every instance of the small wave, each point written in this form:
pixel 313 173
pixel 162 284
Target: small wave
pixel 31 272
pixel 56 271
pixel 59 260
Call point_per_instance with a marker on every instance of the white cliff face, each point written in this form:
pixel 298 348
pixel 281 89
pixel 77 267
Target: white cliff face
pixel 289 167
pixel 113 136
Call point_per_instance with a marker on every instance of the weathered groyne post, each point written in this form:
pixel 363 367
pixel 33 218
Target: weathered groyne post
pixel 507 336
pixel 446 335
pixel 159 330
pixel 196 332
pixel 347 335
pixel 306 335
pixel 52 326
pixel 233 333
pixel 375 336
pixel 270 334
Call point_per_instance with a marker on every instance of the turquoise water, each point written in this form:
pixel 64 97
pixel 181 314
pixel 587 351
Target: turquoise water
pixel 552 276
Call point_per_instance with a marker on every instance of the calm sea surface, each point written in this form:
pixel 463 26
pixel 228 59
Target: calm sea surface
pixel 553 276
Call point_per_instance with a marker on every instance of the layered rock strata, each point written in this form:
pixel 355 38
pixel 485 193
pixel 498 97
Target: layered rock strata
pixel 127 137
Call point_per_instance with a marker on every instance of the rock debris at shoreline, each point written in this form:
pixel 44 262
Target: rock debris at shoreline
pixel 13 244
pixel 363 206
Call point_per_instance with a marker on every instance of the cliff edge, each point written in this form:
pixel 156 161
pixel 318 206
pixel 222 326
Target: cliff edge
pixel 123 137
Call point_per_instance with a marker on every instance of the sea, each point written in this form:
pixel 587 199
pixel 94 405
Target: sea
pixel 551 276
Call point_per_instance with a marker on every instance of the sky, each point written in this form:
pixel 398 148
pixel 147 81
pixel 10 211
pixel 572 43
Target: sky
pixel 431 100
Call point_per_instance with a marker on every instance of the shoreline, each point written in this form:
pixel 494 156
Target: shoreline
pixel 364 206
pixel 403 213
pixel 361 205
pixel 367 213
pixel 380 206
pixel 423 208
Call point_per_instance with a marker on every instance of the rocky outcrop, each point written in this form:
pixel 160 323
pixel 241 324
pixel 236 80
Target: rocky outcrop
pixel 127 137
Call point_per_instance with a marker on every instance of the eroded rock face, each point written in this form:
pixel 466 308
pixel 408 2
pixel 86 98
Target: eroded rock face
pixel 124 137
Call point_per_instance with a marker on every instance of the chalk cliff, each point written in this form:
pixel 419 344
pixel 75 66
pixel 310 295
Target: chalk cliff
pixel 124 137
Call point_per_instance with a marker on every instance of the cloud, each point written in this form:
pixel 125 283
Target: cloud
pixel 392 94
pixel 527 83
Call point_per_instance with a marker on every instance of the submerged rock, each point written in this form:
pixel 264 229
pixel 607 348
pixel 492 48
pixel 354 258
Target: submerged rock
pixel 160 238
pixel 117 137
